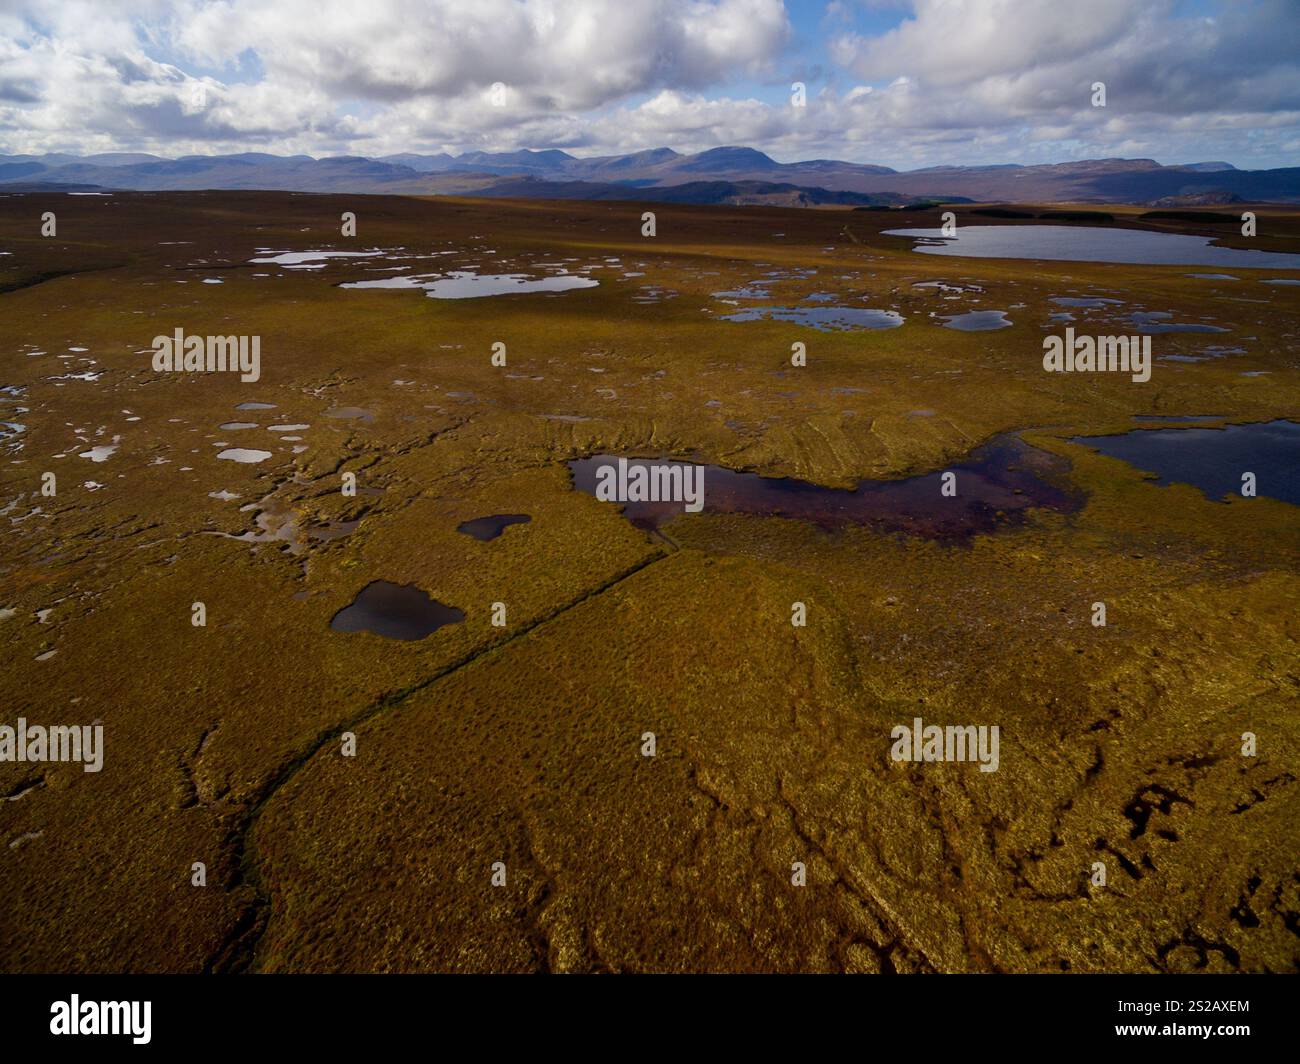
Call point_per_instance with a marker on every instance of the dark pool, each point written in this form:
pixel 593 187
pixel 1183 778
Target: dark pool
pixel 1214 459
pixel 395 611
pixel 996 485
pixel 486 528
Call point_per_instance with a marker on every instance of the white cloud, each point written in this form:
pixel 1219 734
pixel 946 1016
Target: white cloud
pixel 956 81
pixel 956 42
pixel 561 53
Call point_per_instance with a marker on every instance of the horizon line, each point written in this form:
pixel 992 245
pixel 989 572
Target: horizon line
pixel 639 151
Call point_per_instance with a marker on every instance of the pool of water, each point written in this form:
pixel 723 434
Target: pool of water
pixel 308 260
pixel 395 611
pixel 1214 459
pixel 246 455
pixel 822 318
pixel 1150 322
pixel 485 528
pixel 996 485
pixel 465 284
pixel 1083 301
pixel 348 413
pixel 102 453
pixel 10 431
pixel 1082 243
pixel 943 286
pixel 752 290
pixel 333 530
pixel 977 320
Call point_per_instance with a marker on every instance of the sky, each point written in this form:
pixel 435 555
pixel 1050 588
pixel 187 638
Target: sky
pixel 902 84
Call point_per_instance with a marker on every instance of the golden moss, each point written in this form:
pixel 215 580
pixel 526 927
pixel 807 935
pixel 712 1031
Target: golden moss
pixel 521 744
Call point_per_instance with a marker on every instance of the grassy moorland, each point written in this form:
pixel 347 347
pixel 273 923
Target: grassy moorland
pixel 522 744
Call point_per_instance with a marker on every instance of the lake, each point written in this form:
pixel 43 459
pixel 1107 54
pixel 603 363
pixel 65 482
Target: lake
pixel 1083 243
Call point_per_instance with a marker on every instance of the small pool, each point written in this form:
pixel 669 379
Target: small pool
pixel 395 611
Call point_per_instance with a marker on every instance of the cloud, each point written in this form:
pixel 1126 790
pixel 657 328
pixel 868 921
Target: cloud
pixel 559 53
pixel 1022 58
pixel 949 81
pixel 955 42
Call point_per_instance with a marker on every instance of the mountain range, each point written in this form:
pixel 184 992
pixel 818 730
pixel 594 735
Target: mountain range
pixel 719 175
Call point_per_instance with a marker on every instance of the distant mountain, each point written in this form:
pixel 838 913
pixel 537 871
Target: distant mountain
pixel 552 161
pixel 299 173
pixel 651 157
pixel 725 160
pixel 422 163
pixel 1211 197
pixel 736 193
pixel 526 161
pixel 967 169
pixel 1253 186
pixel 112 158
pixel 732 174
pixel 49 186
pixel 17 168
